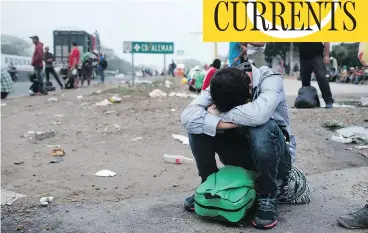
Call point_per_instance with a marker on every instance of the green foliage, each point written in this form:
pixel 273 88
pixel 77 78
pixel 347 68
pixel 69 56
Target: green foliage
pixel 346 54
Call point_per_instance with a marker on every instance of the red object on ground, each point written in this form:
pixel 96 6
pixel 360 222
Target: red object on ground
pixel 207 79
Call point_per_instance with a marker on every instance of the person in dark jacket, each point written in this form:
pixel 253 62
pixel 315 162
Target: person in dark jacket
pixel 49 68
pixel 37 62
pixel 313 58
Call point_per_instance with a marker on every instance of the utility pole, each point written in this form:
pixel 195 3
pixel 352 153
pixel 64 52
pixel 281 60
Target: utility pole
pixel 216 51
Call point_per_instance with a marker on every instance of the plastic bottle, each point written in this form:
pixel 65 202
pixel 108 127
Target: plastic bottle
pixel 176 159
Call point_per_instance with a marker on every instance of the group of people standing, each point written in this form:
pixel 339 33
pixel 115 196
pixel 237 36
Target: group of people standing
pixel 80 67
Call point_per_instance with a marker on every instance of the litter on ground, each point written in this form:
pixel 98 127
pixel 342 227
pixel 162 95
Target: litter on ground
pixel 103 103
pixel 157 93
pixel 333 124
pixel 9 197
pixel 105 173
pixel 115 99
pixel 136 139
pixel 181 138
pixel 355 134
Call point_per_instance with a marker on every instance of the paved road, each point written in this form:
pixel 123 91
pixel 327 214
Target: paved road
pixel 291 86
pixel 333 193
pixel 21 88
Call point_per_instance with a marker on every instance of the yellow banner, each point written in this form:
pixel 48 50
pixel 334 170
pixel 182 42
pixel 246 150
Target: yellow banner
pixel 285 21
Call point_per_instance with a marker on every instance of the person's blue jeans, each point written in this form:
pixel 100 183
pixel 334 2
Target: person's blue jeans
pixel 102 75
pixel 38 72
pixel 262 149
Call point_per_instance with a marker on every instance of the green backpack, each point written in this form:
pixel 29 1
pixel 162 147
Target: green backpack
pixel 227 194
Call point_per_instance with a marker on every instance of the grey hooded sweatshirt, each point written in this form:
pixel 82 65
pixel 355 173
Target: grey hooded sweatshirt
pixel 268 102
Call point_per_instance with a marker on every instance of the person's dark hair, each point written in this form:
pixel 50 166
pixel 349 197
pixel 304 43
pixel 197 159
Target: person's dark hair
pixel 216 63
pixel 230 88
pixel 74 43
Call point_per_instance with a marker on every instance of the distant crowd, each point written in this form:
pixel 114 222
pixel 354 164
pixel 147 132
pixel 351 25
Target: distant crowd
pixel 81 67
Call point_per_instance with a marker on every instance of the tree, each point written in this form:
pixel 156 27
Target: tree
pixel 115 62
pixel 13 45
pixel 340 53
pixel 351 50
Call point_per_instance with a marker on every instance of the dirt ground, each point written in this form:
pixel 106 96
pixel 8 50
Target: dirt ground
pixel 95 139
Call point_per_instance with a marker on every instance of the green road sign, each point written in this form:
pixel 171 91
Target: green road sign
pixel 148 47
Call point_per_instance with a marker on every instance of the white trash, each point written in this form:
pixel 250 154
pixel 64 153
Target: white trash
pixel 79 97
pixel 181 138
pixel 176 159
pixel 103 103
pixel 44 201
pixel 157 93
pixel 136 139
pixel 182 95
pixel 168 84
pixel 172 94
pixel 53 99
pixel 105 173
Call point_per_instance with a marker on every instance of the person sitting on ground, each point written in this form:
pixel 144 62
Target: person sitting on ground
pixel 6 84
pixel 243 117
pixel 358 75
pixel 87 70
pixel 216 64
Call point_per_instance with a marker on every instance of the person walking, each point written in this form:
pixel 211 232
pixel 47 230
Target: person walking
pixel 49 66
pixel 313 58
pixel 102 65
pixel 37 62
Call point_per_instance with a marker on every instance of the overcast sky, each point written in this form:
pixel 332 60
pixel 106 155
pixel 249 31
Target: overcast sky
pixel 116 21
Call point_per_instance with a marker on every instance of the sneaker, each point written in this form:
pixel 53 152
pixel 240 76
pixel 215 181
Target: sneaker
pixel 357 220
pixel 329 106
pixel 189 204
pixel 265 216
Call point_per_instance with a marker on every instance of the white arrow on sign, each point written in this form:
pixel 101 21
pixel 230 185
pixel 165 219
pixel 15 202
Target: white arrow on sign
pixel 137 47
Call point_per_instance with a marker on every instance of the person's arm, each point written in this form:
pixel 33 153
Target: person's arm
pixel 259 111
pixel 197 120
pixel 326 58
pixel 243 52
pixel 257 44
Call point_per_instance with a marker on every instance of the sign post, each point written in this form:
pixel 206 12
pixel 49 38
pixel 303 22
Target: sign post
pixel 164 67
pixel 133 72
pixel 148 48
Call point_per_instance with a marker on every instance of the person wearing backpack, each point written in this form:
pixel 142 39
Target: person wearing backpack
pixel 102 65
pixel 243 117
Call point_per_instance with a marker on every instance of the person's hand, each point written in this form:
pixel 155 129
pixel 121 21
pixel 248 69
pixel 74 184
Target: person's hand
pixel 212 110
pixel 236 59
pixel 326 60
